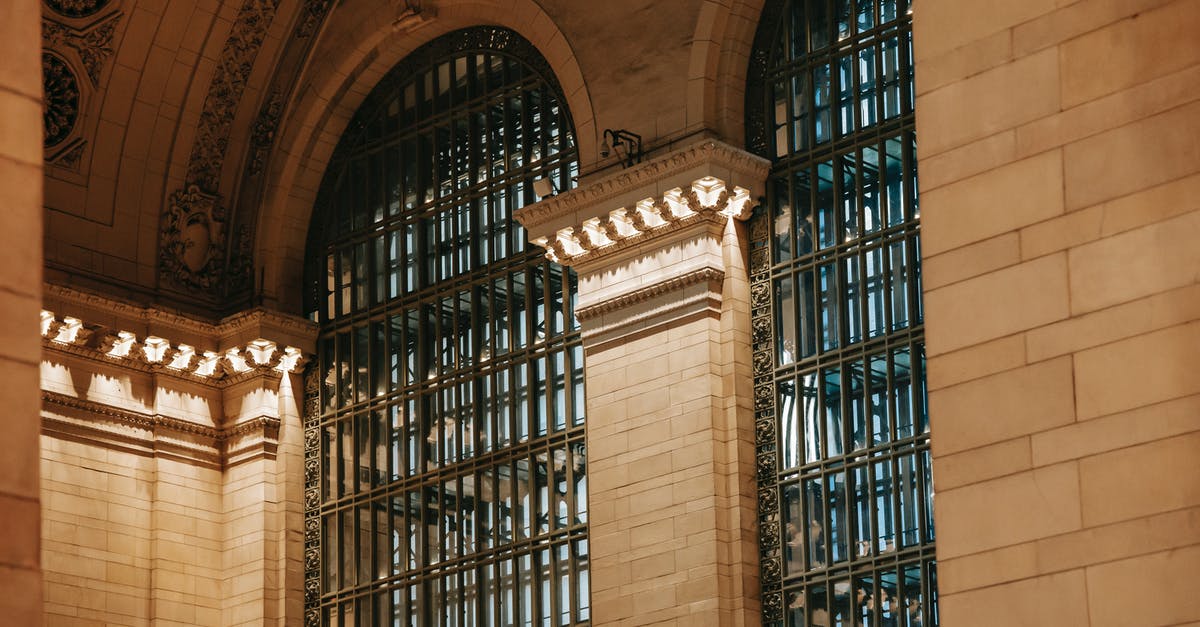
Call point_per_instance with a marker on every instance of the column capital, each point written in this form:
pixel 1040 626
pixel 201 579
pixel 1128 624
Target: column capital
pixel 707 181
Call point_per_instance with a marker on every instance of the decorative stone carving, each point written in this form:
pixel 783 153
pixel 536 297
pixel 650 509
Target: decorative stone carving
pixel 196 210
pixel 195 442
pixel 263 134
pixel 194 238
pixel 311 16
pixel 711 155
pixel 158 354
pixel 76 8
pixel 61 104
pixel 704 275
pixel 706 199
pixel 71 157
pixel 93 44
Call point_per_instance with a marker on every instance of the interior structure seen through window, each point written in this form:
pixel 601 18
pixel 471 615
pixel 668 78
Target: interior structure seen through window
pixel 445 463
pixel 846 492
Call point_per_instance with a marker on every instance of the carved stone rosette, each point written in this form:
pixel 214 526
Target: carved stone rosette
pixel 77 40
pixel 76 8
pixel 61 108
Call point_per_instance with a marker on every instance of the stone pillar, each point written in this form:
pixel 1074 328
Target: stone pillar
pixel 20 296
pixel 172 458
pixel 664 308
pixel 1060 169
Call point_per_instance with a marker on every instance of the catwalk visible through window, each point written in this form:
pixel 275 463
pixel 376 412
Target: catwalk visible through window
pixel 446 478
pixel 846 492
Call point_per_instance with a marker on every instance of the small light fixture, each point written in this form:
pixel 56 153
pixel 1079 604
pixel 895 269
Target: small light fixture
pixel 544 188
pixel 619 141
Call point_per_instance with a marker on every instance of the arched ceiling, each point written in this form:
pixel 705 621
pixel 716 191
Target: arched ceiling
pixel 185 140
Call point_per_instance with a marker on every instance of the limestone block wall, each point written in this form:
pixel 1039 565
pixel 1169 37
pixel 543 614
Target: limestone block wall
pixel 20 293
pixel 664 301
pixel 171 468
pixel 1059 148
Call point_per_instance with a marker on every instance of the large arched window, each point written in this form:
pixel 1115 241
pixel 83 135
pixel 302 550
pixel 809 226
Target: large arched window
pixel 445 462
pixel 846 493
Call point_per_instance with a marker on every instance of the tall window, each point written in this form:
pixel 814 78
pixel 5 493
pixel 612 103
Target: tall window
pixel 846 493
pixel 445 462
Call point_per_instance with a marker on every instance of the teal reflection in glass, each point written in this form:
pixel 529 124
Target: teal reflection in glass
pixel 829 301
pixel 821 102
pixel 827 229
pixel 856 404
pixel 877 395
pixel 853 294
pixel 839 527
pixel 832 404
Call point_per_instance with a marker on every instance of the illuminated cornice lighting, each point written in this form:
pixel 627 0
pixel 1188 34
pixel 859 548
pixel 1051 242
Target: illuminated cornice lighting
pixel 183 358
pixel 261 351
pixel 122 345
pixel 155 349
pixel 235 360
pixel 259 355
pixel 706 199
pixel 68 331
pixel 47 320
pixel 291 357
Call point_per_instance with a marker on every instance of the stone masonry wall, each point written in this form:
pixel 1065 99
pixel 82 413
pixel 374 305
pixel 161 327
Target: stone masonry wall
pixel 1059 148
pixel 20 296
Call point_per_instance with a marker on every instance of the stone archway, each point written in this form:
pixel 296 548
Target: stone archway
pixel 355 51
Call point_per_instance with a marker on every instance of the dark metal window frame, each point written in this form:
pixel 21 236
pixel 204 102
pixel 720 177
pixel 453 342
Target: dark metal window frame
pixel 792 574
pixel 374 310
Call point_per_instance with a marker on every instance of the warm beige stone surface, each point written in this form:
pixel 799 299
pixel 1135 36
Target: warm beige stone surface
pixel 989 568
pixel 1000 98
pixel 1099 435
pixel 1155 312
pixel 997 513
pixel 940 26
pixel 1135 264
pixel 997 304
pixel 1139 474
pixel 1061 233
pixel 1167 598
pixel 20 292
pixel 983 463
pixel 1107 325
pixel 973 415
pixel 977 361
pixel 967 160
pixel 670 445
pixel 1138 371
pixel 1059 600
pixel 971 209
pixel 1131 51
pixel 1133 157
pixel 970 261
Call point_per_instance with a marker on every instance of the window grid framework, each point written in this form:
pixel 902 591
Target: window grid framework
pixel 844 470
pixel 445 463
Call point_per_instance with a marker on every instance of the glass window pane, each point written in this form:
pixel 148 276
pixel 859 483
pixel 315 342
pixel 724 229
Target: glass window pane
pixel 425 291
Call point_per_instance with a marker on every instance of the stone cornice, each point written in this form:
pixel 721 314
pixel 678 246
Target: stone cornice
pixel 227 326
pixel 191 440
pixel 128 339
pixel 707 199
pixel 703 275
pixel 711 154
